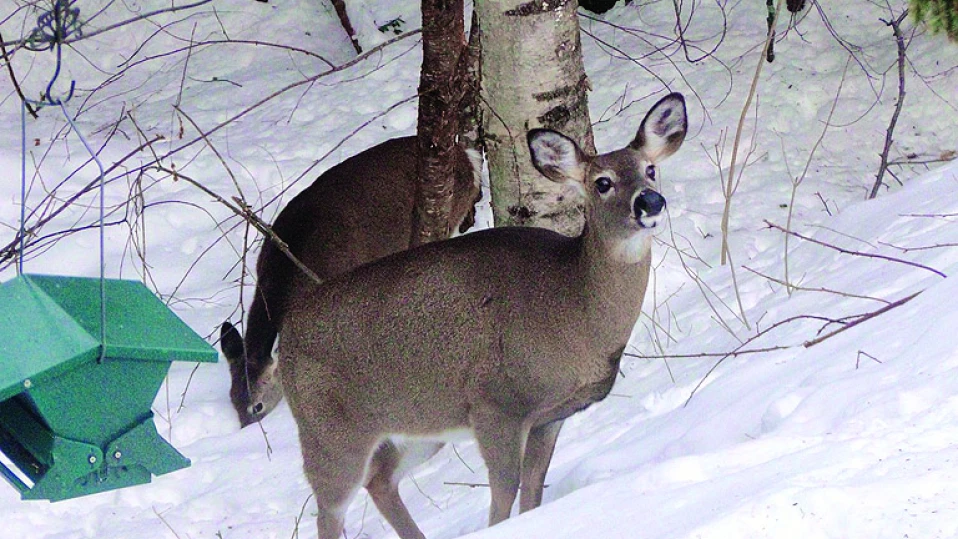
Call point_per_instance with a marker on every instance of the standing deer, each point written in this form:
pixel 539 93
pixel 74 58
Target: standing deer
pixel 358 211
pixel 503 333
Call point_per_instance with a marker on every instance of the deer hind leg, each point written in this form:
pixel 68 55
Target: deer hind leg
pixel 387 467
pixel 535 464
pixel 335 461
pixel 501 438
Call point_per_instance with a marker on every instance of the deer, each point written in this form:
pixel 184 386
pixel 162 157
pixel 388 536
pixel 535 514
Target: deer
pixel 500 334
pixel 355 212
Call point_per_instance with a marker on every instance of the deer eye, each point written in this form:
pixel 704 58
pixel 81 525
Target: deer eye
pixel 650 172
pixel 603 184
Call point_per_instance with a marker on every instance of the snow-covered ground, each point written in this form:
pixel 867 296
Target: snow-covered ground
pixel 853 436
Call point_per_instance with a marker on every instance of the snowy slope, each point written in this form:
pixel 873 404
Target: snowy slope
pixel 856 436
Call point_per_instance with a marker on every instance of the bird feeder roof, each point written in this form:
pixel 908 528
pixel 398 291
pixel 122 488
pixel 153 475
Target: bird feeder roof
pixel 51 324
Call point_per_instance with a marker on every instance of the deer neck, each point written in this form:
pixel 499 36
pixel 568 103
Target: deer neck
pixel 614 278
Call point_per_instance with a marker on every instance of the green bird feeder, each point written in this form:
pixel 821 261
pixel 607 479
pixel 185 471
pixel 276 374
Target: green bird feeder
pixel 75 402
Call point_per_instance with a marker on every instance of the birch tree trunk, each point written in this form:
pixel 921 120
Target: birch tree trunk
pixel 532 76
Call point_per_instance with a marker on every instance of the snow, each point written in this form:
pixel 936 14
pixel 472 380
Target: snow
pixel 856 436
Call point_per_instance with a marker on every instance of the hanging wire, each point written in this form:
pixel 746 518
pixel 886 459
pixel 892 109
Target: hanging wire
pixel 53 28
pixel 99 164
pixel 23 185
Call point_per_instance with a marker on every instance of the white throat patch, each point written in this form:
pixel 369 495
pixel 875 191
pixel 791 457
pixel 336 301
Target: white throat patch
pixel 634 249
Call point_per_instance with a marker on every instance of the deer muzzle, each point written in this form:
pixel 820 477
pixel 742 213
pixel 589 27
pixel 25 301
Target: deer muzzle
pixel 648 208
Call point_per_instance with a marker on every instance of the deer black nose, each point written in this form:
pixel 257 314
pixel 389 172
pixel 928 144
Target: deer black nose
pixel 648 204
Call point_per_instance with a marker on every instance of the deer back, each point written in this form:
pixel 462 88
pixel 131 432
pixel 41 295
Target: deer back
pixel 357 211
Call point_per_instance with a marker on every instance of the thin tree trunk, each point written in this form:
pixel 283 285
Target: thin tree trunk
pixel 340 6
pixel 532 76
pixel 443 42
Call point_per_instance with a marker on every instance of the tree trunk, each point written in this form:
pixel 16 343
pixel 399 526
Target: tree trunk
pixel 532 76
pixel 340 6
pixel 443 41
pixel 470 107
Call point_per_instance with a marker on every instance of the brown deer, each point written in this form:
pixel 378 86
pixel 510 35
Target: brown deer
pixel 502 333
pixel 355 212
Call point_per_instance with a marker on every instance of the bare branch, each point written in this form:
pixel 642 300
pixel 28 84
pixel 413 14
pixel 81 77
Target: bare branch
pixel 138 18
pixel 13 79
pixel 806 289
pixel 243 210
pixel 899 103
pixel 738 136
pixel 863 318
pixel 856 253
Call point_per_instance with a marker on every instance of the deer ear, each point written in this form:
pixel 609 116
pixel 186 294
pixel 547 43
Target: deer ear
pixel 556 156
pixel 662 132
pixel 231 343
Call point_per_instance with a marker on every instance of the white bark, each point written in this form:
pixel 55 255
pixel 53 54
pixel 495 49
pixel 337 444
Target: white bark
pixel 532 76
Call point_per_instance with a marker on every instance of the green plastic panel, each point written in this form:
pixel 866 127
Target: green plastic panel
pixel 37 336
pixel 106 399
pixel 138 326
pixel 50 324
pixel 71 424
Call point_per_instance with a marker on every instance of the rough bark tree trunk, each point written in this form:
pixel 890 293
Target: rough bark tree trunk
pixel 443 42
pixel 532 76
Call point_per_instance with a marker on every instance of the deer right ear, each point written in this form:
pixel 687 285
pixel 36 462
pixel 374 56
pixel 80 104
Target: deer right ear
pixel 556 156
pixel 231 343
pixel 663 129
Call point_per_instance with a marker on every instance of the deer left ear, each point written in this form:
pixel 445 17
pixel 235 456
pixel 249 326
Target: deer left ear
pixel 663 130
pixel 555 155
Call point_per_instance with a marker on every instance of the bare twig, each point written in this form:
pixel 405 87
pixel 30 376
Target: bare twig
pixel 299 518
pixel 847 323
pixel 412 479
pixel 739 348
pixel 212 148
pixel 861 353
pixel 806 289
pixel 702 355
pixel 919 248
pixel 207 42
pixel 703 286
pixel 738 136
pixel 461 460
pixel 243 210
pixel 10 250
pixel 143 16
pixel 863 318
pixel 900 41
pixel 796 182
pixel 856 253
pixel 13 79
pixel 165 523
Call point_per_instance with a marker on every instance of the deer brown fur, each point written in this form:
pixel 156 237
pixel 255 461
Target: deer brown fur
pixel 357 211
pixel 503 332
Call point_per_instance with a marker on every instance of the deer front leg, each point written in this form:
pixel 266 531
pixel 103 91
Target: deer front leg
pixel 335 455
pixel 389 463
pixel 535 464
pixel 501 440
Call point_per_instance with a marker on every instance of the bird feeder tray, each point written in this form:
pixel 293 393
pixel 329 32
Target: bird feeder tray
pixel 74 421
